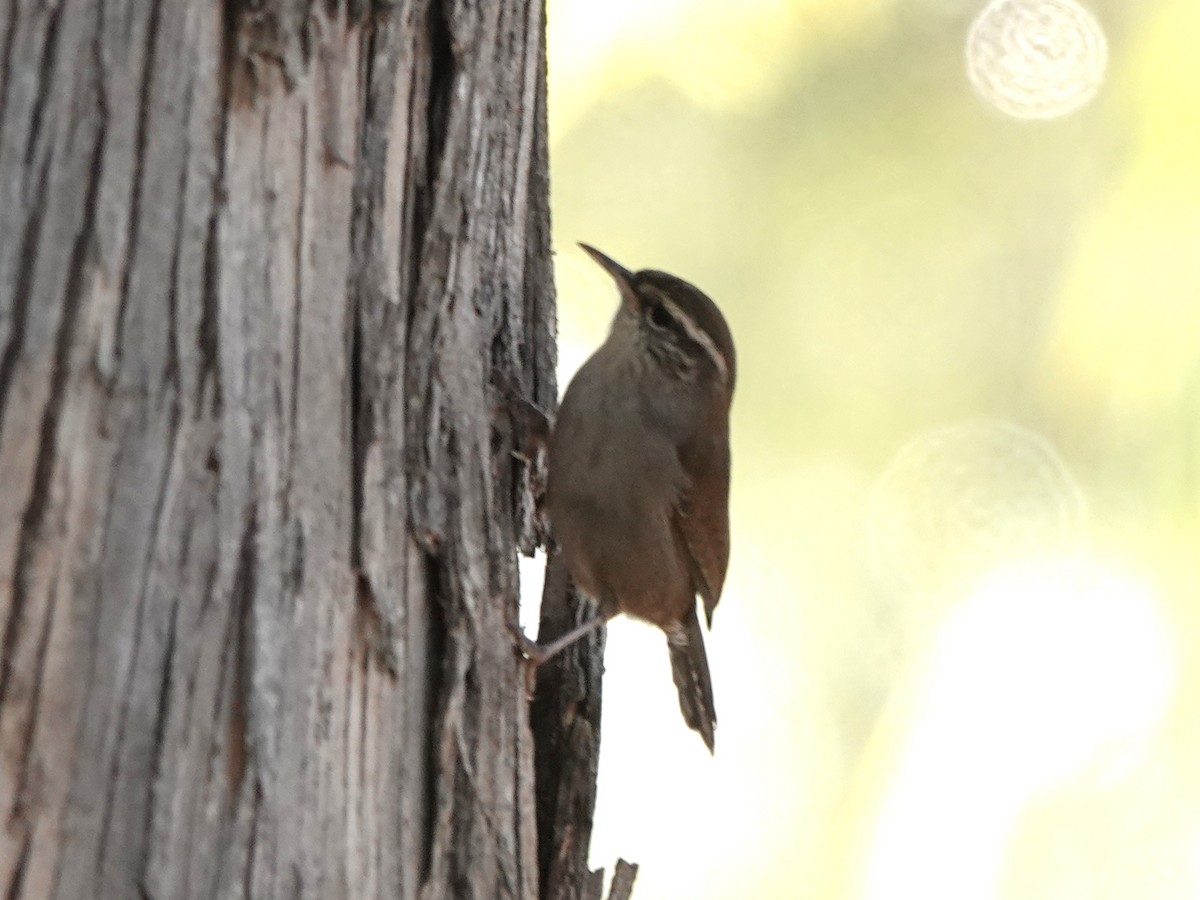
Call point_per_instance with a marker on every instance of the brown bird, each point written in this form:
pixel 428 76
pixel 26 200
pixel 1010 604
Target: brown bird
pixel 638 490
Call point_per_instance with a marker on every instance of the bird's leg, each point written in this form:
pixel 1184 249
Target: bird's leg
pixel 539 653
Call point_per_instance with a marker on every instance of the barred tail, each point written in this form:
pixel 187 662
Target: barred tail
pixel 689 665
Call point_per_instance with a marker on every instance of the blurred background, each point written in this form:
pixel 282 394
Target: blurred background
pixel 958 244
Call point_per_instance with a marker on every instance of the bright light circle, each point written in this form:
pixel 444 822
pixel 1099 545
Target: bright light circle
pixel 1036 59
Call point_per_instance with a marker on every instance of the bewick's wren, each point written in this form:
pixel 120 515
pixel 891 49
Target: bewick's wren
pixel 638 490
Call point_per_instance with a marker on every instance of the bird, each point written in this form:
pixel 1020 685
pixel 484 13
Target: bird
pixel 638 472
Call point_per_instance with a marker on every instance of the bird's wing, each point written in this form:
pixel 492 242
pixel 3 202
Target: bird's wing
pixel 701 523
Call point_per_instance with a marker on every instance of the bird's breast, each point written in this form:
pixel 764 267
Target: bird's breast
pixel 614 480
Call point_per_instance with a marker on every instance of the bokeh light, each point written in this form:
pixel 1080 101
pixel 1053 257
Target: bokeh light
pixel 1036 59
pixel 1045 669
pixel 960 499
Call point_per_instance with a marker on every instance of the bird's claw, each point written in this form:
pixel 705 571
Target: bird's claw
pixel 529 649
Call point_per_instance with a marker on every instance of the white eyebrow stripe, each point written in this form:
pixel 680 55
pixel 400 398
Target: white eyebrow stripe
pixel 699 335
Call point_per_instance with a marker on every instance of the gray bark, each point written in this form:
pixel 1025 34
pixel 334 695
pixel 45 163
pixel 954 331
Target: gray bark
pixel 258 512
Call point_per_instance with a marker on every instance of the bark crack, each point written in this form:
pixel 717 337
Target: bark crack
pixel 158 744
pixel 144 589
pixel 39 497
pixel 433 220
pixel 298 275
pixel 242 597
pixel 23 290
pixel 173 372
pixel 138 174
pixel 10 39
pixel 252 848
pixel 360 232
pixel 359 430
pixel 442 72
pixel 436 677
pixel 26 771
pixel 208 332
pixel 18 880
pixel 45 71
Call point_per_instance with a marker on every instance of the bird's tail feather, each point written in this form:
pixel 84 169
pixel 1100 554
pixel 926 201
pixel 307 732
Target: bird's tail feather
pixel 689 666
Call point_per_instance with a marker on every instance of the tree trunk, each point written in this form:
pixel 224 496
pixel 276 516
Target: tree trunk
pixel 258 261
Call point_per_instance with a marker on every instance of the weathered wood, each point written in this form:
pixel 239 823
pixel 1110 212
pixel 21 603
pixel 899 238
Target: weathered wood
pixel 622 883
pixel 257 263
pixel 566 726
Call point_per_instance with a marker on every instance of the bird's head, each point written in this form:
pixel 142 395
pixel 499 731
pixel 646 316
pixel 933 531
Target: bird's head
pixel 675 323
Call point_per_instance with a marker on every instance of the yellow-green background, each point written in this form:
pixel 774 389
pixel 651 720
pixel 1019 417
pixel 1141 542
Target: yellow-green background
pixel 896 256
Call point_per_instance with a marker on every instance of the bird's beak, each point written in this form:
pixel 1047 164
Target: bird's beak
pixel 621 275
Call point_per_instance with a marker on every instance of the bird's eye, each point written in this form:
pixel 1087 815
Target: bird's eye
pixel 659 315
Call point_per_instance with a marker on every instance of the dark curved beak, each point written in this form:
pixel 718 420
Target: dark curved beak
pixel 608 264
pixel 621 275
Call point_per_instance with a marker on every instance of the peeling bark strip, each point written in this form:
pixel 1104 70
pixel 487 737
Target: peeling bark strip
pixel 257 263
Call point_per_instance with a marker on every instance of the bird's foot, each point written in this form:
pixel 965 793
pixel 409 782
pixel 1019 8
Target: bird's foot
pixel 535 421
pixel 538 654
pixel 529 649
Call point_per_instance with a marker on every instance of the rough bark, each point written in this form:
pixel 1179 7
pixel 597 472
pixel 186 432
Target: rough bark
pixel 566 726
pixel 257 263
